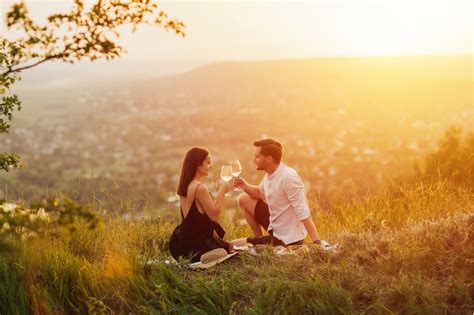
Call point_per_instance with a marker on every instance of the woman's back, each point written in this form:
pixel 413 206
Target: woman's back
pixel 189 201
pixel 196 224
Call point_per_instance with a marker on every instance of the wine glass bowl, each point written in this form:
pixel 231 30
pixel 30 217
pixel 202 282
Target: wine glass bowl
pixel 236 169
pixel 226 173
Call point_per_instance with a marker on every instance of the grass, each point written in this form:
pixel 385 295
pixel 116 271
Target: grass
pixel 404 250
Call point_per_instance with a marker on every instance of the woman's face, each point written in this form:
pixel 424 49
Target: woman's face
pixel 205 167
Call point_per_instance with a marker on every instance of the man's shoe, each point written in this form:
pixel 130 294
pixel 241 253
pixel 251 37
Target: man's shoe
pixel 325 246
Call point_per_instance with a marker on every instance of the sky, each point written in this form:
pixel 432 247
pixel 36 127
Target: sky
pixel 258 30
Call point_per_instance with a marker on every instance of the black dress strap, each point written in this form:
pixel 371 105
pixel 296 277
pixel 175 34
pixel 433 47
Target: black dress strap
pixel 195 192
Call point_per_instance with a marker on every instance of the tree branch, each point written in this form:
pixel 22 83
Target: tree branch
pixel 11 70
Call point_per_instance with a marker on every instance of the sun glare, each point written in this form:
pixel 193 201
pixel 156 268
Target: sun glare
pixel 389 28
pixel 282 29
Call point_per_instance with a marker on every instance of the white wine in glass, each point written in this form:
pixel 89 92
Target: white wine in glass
pixel 226 173
pixel 236 169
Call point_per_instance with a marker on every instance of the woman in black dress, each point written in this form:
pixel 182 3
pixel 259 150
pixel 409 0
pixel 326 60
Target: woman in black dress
pixel 199 231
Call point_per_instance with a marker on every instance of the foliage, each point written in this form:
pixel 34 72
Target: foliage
pixel 81 33
pixel 454 158
pixel 70 37
pixel 10 53
pixel 50 217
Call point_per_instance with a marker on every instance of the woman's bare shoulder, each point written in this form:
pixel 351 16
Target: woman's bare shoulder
pixel 196 187
pixel 201 189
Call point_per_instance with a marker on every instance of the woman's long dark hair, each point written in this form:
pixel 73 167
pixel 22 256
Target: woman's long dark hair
pixel 192 160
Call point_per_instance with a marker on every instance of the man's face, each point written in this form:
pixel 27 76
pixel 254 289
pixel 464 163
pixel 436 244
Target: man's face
pixel 261 161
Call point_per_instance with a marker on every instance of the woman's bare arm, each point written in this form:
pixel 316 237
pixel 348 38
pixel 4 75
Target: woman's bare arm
pixel 211 207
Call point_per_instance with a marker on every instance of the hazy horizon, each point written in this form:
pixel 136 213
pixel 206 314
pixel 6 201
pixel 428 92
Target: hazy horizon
pixel 134 70
pixel 262 30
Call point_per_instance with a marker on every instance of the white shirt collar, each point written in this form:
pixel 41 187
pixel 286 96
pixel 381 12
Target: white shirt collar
pixel 278 170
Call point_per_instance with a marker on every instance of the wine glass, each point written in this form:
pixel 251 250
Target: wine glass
pixel 236 169
pixel 226 173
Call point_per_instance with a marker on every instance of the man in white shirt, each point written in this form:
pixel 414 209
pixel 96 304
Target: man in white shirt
pixel 279 203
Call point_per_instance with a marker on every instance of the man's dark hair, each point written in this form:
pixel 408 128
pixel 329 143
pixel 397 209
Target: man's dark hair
pixel 270 147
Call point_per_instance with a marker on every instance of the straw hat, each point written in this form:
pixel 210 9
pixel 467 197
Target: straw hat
pixel 212 258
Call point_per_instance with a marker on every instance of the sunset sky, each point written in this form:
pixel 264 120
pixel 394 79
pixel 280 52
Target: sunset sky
pixel 227 30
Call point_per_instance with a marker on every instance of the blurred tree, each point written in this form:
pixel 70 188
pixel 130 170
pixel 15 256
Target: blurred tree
pixel 86 32
pixel 10 53
pixel 454 158
pixel 57 216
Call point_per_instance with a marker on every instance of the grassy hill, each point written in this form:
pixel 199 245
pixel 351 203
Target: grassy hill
pixel 407 252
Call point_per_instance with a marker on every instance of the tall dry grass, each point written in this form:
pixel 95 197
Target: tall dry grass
pixel 404 250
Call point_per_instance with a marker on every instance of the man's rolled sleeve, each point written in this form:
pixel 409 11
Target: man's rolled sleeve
pixel 294 190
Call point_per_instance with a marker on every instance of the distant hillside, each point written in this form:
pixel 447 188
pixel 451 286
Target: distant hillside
pixel 56 87
pixel 396 81
pixel 349 123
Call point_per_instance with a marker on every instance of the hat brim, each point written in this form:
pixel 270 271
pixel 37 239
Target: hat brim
pixel 200 265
